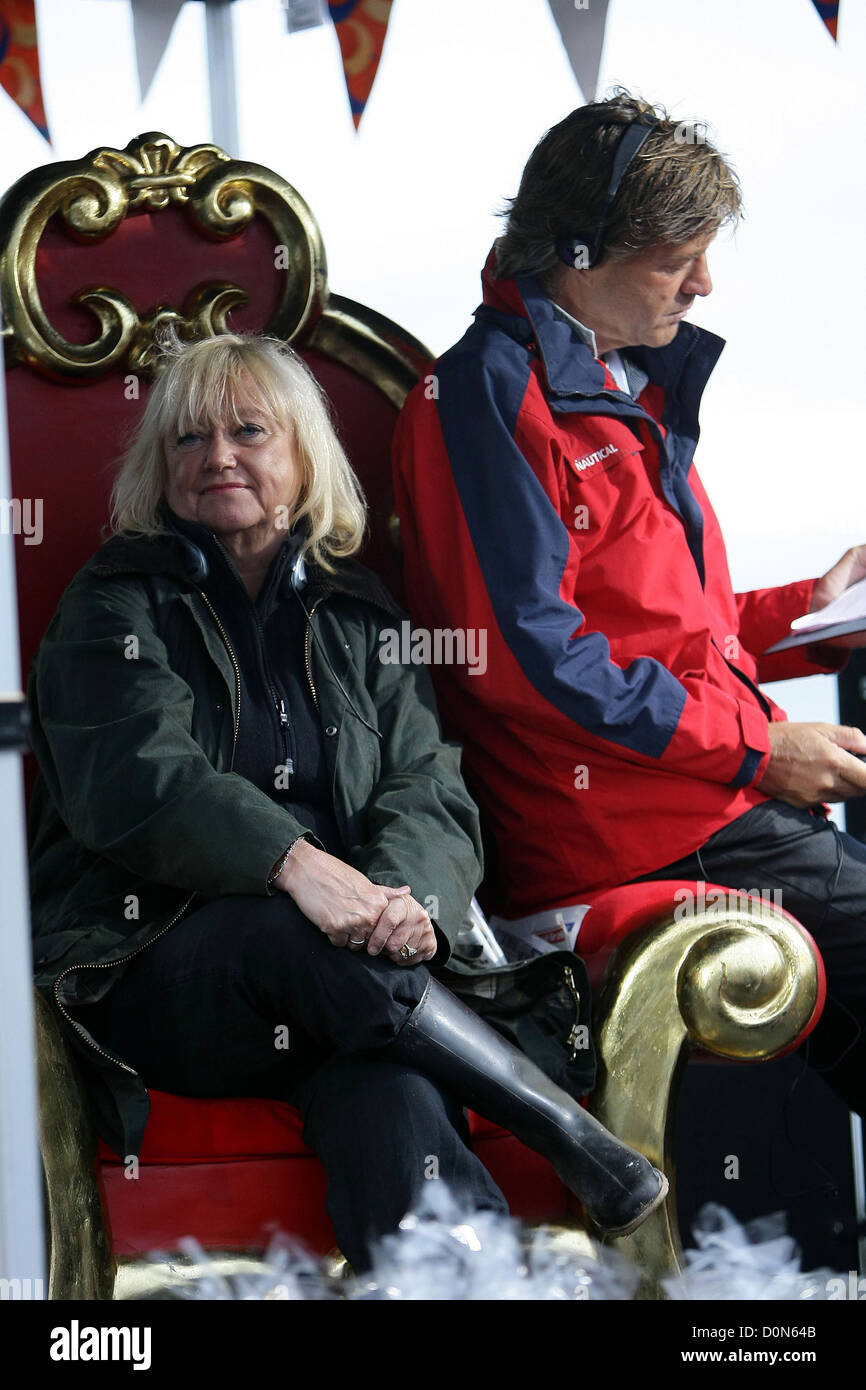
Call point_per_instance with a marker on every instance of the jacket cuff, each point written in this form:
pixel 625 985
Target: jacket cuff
pixel 826 658
pixel 388 878
pixel 443 953
pixel 277 868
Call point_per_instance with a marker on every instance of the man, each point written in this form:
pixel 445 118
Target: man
pixel 547 499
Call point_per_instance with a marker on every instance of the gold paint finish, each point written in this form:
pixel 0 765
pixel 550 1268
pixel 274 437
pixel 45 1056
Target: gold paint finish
pixel 739 980
pixel 221 196
pixel 205 314
pixel 94 195
pixel 178 1275
pixel 79 1255
pixel 373 346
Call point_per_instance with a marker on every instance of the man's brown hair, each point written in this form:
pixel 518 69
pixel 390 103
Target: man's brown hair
pixel 676 187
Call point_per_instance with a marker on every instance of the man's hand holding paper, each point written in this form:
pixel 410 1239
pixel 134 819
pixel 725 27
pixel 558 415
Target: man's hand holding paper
pixel 838 608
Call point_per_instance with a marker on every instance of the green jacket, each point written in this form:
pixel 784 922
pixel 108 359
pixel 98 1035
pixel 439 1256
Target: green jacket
pixel 134 704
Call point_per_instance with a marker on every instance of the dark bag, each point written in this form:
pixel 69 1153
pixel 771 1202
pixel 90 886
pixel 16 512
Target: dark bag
pixel 542 1005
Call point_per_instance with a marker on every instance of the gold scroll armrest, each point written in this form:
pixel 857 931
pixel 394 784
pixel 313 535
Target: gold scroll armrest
pixel 740 980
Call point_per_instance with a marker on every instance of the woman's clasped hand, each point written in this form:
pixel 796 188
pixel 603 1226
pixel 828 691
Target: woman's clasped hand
pixel 354 912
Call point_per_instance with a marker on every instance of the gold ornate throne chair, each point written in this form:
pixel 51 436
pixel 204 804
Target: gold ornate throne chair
pixel 96 255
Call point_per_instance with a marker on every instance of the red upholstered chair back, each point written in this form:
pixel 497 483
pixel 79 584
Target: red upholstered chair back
pixel 97 255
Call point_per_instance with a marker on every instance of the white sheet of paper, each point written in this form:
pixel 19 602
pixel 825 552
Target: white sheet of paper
pixel 849 606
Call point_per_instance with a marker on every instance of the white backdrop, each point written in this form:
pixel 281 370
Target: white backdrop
pixel 465 88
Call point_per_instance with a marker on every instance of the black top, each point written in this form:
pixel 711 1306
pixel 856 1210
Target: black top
pixel 280 745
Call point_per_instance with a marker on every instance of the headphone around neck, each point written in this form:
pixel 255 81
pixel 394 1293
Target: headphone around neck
pixel 582 252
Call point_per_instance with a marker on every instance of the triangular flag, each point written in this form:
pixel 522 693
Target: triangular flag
pixel 152 23
pixel 361 26
pixel 581 26
pixel 829 12
pixel 19 59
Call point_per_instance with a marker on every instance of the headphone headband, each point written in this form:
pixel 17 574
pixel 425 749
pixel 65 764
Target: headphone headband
pixel 578 251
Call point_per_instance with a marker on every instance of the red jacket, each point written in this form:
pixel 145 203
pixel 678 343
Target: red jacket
pixel 617 721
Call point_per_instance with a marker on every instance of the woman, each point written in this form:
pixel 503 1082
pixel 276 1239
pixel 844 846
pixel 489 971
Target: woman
pixel 242 813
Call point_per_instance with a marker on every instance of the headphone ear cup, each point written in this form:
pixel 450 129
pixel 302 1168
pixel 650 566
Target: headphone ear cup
pixel 581 253
pixel 575 253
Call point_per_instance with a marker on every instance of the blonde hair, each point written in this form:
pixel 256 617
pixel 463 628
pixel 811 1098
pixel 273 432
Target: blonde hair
pixel 199 382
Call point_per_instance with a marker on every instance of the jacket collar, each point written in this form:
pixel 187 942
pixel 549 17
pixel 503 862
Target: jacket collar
pixel 571 369
pixel 176 552
pixel 220 566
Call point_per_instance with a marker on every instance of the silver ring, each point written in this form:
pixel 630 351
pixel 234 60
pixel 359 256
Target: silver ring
pixel 361 942
pixel 407 952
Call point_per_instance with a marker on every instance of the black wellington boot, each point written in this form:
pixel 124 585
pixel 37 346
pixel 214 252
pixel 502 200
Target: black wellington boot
pixel 617 1186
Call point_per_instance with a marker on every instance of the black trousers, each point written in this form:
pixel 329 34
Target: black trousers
pixel 245 997
pixel 818 874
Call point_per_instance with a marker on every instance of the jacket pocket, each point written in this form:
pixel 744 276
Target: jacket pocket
pixel 599 449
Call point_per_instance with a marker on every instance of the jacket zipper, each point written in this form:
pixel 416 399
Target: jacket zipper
pixel 308 635
pixel 277 699
pixel 284 725
pixel 747 682
pixel 109 965
pixel 235 667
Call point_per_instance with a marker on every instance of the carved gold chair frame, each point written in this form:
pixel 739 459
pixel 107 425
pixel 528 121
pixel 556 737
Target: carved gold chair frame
pixel 222 196
pixel 739 980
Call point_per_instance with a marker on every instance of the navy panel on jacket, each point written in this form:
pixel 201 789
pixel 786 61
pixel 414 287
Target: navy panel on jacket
pixel 522 548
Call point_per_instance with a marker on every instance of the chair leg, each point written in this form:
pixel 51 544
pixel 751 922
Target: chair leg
pixel 80 1264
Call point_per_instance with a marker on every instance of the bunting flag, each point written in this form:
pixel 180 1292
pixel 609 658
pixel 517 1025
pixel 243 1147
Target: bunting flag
pixel 360 26
pixel 152 23
pixel 829 12
pixel 581 27
pixel 19 59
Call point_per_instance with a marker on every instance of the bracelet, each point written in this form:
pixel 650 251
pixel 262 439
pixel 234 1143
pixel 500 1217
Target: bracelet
pixel 281 863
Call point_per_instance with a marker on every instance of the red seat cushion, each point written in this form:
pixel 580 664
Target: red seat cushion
pixel 195 1129
pixel 185 1129
pixel 235 1205
pixel 231 1172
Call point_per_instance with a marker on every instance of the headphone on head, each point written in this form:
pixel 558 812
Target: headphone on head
pixel 582 252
